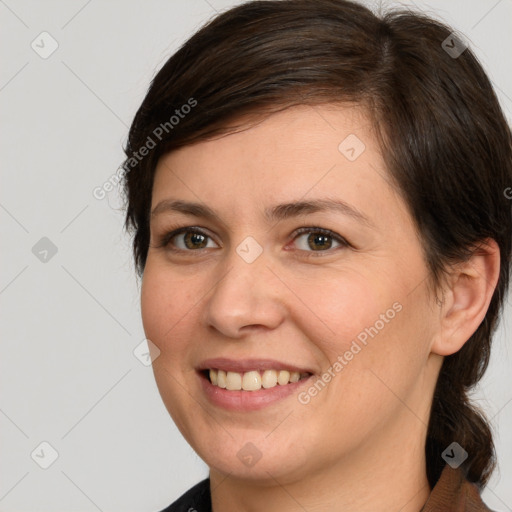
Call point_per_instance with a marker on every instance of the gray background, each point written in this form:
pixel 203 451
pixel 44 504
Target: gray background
pixel 68 375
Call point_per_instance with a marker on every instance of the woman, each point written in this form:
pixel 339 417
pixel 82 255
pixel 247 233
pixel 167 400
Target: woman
pixel 316 195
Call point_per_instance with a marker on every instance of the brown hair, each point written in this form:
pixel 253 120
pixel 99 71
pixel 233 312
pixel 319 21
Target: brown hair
pixel 445 141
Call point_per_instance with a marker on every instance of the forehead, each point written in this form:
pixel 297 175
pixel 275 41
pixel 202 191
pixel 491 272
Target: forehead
pixel 303 152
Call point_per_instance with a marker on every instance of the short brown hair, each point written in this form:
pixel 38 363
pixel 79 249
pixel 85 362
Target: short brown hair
pixel 444 138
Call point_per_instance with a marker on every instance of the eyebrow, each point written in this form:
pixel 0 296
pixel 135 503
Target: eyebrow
pixel 275 213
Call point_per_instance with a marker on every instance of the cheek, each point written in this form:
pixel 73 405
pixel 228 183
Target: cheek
pixel 166 304
pixel 167 309
pixel 373 329
pixel 333 308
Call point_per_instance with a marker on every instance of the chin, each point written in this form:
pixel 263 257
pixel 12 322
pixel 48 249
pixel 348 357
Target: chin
pixel 255 458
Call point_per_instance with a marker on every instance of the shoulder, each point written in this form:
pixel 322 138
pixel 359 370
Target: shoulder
pixel 196 499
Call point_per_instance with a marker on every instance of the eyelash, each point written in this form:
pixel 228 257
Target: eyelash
pixel 165 239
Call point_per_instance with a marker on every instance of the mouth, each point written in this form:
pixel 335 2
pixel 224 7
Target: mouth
pixel 252 380
pixel 250 384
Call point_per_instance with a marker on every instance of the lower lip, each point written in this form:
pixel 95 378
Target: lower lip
pixel 248 400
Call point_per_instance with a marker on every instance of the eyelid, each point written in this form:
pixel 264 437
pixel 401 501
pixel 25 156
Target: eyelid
pixel 165 239
pixel 315 229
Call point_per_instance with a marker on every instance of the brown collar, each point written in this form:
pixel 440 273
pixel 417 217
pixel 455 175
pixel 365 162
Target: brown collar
pixel 453 493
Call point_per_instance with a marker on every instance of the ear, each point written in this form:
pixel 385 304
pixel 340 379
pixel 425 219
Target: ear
pixel 467 296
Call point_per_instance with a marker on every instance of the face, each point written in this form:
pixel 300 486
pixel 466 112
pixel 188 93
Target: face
pixel 331 287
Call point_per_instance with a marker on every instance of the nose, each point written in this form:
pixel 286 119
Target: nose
pixel 247 296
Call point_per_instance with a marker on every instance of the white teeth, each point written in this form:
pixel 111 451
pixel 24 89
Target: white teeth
pixel 283 377
pixel 233 381
pixel 269 379
pixel 221 379
pixel 252 380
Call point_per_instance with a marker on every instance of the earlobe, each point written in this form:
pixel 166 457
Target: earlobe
pixel 467 295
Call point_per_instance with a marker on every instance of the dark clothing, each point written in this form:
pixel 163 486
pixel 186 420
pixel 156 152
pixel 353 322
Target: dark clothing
pixel 452 493
pixel 196 499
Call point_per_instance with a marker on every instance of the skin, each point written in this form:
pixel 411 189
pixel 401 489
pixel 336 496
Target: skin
pixel 358 445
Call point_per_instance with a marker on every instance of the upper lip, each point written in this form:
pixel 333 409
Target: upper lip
pixel 245 365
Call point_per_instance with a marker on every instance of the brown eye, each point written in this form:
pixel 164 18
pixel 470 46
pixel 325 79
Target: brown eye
pixel 187 239
pixel 318 240
pixel 194 240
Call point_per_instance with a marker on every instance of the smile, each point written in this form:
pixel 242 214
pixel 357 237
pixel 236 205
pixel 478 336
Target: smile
pixel 250 384
pixel 253 380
